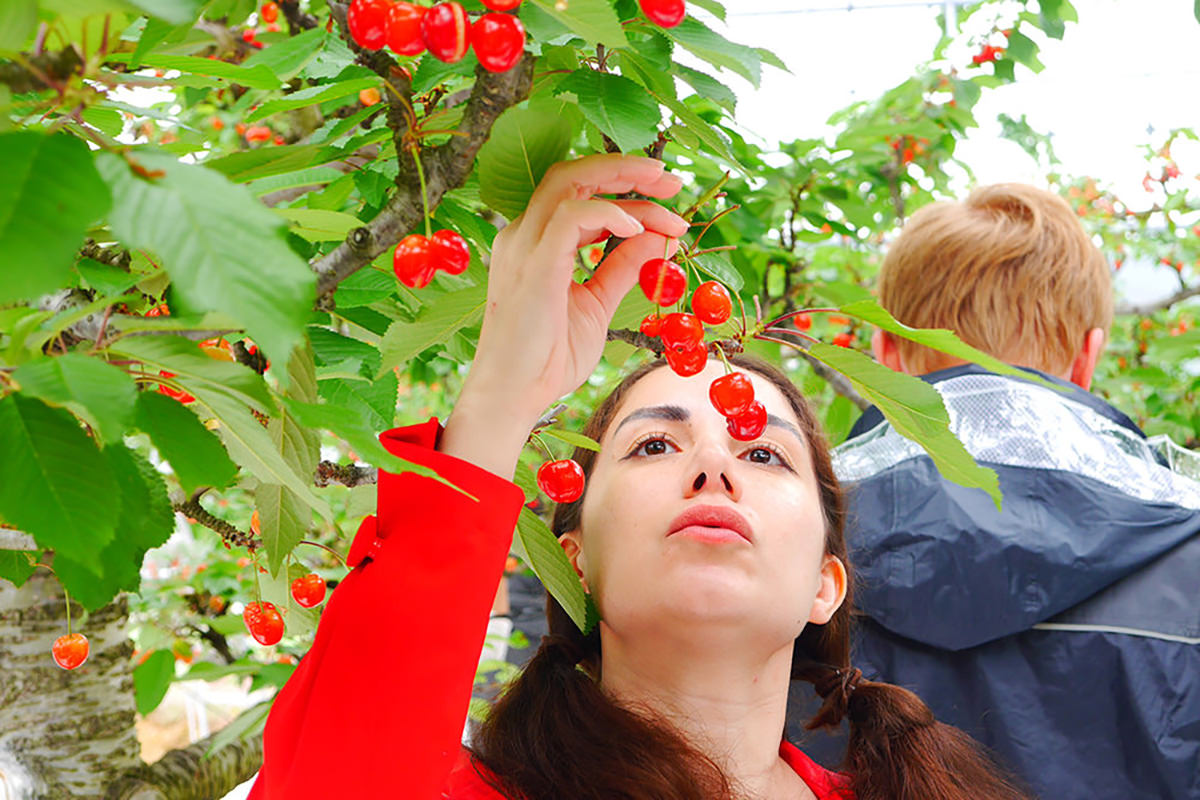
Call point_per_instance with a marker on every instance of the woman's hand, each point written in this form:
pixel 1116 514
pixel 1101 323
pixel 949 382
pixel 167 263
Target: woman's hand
pixel 543 334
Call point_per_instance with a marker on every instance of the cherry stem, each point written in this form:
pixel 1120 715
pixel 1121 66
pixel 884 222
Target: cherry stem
pixel 424 190
pixel 335 553
pixel 708 250
pixel 68 596
pixel 713 221
pixel 791 332
pixel 724 360
pixel 742 306
pixel 549 453
pixel 706 198
pixel 794 314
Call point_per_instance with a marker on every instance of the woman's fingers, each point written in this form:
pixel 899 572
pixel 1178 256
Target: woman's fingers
pixel 577 221
pixel 654 217
pixel 600 174
pixel 617 274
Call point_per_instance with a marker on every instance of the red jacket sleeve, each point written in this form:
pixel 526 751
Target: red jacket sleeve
pixel 376 708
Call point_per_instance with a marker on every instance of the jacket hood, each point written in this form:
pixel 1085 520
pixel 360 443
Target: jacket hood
pixel 1087 501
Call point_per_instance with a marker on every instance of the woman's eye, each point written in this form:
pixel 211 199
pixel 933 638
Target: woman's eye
pixel 765 455
pixel 652 447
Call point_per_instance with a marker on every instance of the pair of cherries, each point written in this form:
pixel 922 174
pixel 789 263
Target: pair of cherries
pixel 265 622
pixel 409 29
pixel 417 258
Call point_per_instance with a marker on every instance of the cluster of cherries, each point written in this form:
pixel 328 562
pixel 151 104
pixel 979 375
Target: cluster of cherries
pixel 444 30
pixel 417 258
pixel 264 620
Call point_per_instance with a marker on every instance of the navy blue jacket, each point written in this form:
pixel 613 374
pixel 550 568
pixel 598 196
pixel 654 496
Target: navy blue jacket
pixel 1063 632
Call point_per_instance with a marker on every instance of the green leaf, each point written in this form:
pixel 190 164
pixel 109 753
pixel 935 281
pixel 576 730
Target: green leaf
pixel 364 287
pixel 176 12
pixel 572 438
pixel 707 44
pixel 524 143
pixel 98 393
pixel 54 483
pixel 1196 10
pixel 436 322
pixel 713 7
pixel 915 410
pixel 16 567
pixel 313 96
pixel 223 249
pixel 720 267
pixel 594 20
pixel 546 557
pixel 375 402
pixel 193 369
pixel 288 57
pixel 105 279
pixel 1021 48
pixel 155 33
pixel 319 225
pixel 196 455
pixel 312 176
pixel 938 339
pixel 620 108
pixel 707 86
pixel 525 478
pixel 249 165
pixel 1051 18
pixel 152 678
pixel 331 347
pixel 259 77
pixel 247 724
pixel 18 20
pixel 703 131
pixel 50 194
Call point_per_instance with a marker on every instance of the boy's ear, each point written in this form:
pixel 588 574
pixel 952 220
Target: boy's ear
pixel 1084 365
pixel 886 350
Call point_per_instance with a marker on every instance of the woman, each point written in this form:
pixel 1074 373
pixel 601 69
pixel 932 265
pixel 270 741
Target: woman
pixel 718 566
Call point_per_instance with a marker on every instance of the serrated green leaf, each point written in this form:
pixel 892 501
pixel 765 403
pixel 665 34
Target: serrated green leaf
pixel 105 279
pixel 250 165
pixel 151 679
pixel 100 394
pixel 720 267
pixel 707 86
pixel 312 96
pixel 545 556
pixel 713 7
pixel 572 438
pixel 288 57
pixel 50 194
pixel 319 225
pixel 54 483
pixel 710 46
pixel 313 176
pixel 259 77
pixel 1021 48
pixel 15 566
pixel 222 248
pixel 594 20
pixel 524 143
pixel 435 323
pixel 706 133
pixel 194 369
pixel 374 402
pixel 195 453
pixel 620 108
pixel 364 287
pixel 525 478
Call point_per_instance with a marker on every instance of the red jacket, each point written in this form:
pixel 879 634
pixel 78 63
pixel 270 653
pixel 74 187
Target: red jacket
pixel 364 715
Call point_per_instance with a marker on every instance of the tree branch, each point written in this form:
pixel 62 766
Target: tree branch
pixel 637 339
pixel 44 71
pixel 346 474
pixel 16 540
pixel 297 19
pixel 1145 309
pixel 192 509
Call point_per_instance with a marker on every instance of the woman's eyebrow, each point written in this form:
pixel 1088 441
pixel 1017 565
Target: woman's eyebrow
pixel 783 423
pixel 670 413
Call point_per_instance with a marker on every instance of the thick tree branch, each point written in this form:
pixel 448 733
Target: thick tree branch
pixel 43 71
pixel 16 540
pixel 329 472
pixel 1144 309
pixel 192 509
pixel 297 20
pixel 637 339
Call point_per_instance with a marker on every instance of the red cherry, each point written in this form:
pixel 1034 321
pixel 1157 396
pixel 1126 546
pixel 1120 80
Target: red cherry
pixel 802 321
pixel 843 339
pixel 367 21
pixel 651 325
pixel 70 651
pixel 258 133
pixel 681 331
pixel 663 282
pixel 502 5
pixel 686 363
pixel 264 622
pixel 667 13
pixel 447 31
pixel 749 424
pixel 731 394
pixel 309 591
pixel 174 394
pixel 270 12
pixel 562 481
pixel 159 310
pixel 448 250
pixel 412 262
pixel 711 303
pixel 499 41
pixel 404 28
pixel 247 37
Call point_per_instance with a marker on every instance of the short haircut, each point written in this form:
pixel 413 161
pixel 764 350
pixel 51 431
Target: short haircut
pixel 1010 270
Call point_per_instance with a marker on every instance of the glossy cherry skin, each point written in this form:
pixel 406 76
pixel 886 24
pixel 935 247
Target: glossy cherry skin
pixel 269 12
pixel 667 13
pixel 731 394
pixel 447 31
pixel 662 281
pixel 367 21
pixel 309 590
pixel 174 394
pixel 499 41
pixel 651 325
pixel 681 331
pixel 404 29
pixel 748 425
pixel 802 321
pixel 562 481
pixel 448 250
pixel 70 651
pixel 501 5
pixel 686 363
pixel 843 339
pixel 711 303
pixel 412 262
pixel 264 622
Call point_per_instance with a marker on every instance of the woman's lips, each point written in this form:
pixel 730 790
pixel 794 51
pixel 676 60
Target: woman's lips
pixel 716 524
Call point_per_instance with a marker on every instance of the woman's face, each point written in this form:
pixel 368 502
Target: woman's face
pixel 683 525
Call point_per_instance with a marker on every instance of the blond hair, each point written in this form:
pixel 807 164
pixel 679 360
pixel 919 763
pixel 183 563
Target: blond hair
pixel 1010 270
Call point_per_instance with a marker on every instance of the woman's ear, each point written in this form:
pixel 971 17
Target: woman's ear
pixel 831 591
pixel 572 545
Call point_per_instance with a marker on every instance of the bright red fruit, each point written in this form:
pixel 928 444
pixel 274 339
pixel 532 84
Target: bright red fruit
pixel 663 282
pixel 258 133
pixel 412 262
pixel 404 28
pixel 651 325
pixel 667 13
pixel 269 12
pixel 499 41
pixel 174 394
pixel 686 363
pixel 70 651
pixel 309 591
pixel 367 21
pixel 448 250
pixel 731 394
pixel 446 31
pixel 802 321
pixel 562 481
pixel 502 5
pixel 711 303
pixel 843 339
pixel 749 424
pixel 264 622
pixel 681 331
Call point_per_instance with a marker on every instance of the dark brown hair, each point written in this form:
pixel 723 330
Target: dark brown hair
pixel 555 734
